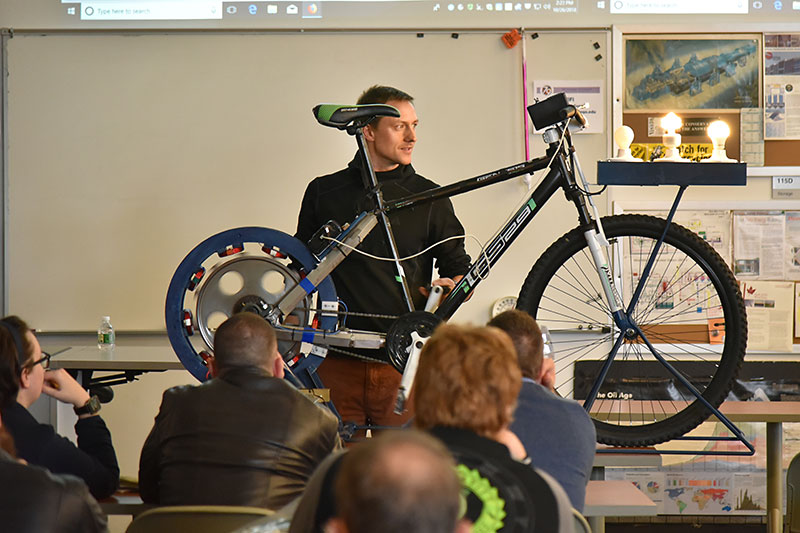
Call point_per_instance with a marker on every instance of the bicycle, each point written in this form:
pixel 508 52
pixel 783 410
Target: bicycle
pixel 650 289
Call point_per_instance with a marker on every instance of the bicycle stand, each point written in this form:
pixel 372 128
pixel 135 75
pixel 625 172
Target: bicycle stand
pixel 681 175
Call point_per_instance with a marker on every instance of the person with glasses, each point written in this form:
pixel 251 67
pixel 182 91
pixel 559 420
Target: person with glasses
pixel 24 376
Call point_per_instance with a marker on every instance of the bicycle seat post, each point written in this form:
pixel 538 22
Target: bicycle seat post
pixel 371 186
pixel 367 171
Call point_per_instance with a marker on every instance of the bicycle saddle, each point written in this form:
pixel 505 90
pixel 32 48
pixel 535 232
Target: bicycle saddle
pixel 341 116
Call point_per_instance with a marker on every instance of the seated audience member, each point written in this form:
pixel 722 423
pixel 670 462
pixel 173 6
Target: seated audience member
pixel 245 437
pixel 399 482
pixel 557 432
pixel 33 500
pixel 317 505
pixel 465 391
pixel 23 378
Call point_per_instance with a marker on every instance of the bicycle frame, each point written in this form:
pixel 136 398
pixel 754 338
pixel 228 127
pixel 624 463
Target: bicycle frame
pixel 559 157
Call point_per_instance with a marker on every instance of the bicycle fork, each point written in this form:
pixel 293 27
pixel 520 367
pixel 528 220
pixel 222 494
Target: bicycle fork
pixel 622 317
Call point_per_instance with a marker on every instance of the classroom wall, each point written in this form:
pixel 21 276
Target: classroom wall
pixel 126 150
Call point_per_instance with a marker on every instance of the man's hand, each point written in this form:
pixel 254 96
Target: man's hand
pixel 547 376
pixel 446 283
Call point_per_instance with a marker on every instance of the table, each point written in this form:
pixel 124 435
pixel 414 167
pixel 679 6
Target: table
pixel 614 498
pixel 120 357
pixel 133 355
pixel 128 360
pixel 774 414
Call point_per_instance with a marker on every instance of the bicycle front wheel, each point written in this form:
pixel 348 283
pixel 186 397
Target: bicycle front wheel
pixel 690 310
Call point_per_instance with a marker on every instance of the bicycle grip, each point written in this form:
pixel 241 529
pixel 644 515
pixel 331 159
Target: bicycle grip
pixel 573 112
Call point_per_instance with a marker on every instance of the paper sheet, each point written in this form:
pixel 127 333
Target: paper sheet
pixel 758 245
pixel 770 314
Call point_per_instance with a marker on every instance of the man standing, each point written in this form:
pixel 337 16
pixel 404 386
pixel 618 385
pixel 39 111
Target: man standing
pixel 557 432
pixel 245 437
pixel 363 387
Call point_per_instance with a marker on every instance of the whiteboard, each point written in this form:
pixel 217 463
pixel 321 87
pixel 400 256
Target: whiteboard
pixel 126 150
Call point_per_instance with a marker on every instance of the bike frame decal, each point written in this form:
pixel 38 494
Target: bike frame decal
pixel 499 244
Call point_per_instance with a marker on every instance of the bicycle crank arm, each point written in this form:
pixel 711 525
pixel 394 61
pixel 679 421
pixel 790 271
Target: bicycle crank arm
pixel 350 338
pixel 409 373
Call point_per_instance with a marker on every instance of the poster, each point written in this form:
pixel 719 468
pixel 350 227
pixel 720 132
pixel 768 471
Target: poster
pixel 758 239
pixel 705 484
pixel 770 314
pixel 751 137
pixel 578 92
pixel 713 226
pixel 782 86
pixel 797 309
pixel 651 151
pixel 671 73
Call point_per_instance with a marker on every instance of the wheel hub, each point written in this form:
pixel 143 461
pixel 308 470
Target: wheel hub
pixel 251 304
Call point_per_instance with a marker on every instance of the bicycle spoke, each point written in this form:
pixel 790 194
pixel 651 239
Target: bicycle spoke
pixel 688 293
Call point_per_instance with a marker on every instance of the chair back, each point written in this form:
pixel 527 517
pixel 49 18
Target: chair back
pixel 196 519
pixel 793 495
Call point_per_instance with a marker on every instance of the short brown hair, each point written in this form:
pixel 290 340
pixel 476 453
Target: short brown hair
pixel 400 481
pixel 244 340
pixel 380 94
pixel 527 338
pixel 468 378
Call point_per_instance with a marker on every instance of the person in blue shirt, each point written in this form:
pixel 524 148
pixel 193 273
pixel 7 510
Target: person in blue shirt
pixel 557 433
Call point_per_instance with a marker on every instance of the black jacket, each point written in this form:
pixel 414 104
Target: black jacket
pixel 503 494
pixel 33 500
pixel 244 438
pixel 93 460
pixel 368 285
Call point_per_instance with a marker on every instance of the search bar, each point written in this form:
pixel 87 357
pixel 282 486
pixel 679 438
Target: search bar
pixel 680 7
pixel 133 10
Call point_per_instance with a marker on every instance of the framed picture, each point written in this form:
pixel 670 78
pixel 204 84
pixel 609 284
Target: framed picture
pixel 692 72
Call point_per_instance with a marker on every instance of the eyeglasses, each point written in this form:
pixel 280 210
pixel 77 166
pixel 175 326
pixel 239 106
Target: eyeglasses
pixel 45 361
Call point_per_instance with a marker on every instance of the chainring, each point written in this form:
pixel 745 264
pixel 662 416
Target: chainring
pixel 398 338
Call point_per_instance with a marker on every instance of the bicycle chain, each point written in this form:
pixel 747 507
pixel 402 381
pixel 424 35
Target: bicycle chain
pixel 367 315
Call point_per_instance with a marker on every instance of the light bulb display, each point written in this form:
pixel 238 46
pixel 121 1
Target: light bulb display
pixel 718 131
pixel 623 136
pixel 670 123
pixel 671 140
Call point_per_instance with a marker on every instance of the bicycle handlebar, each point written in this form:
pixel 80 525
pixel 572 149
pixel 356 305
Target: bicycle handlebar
pixel 573 112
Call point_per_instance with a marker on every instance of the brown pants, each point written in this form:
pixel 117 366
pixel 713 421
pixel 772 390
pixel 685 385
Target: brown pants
pixel 363 392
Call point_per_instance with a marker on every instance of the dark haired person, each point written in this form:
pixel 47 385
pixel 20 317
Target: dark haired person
pixel 33 500
pixel 363 390
pixel 24 376
pixel 557 432
pixel 245 437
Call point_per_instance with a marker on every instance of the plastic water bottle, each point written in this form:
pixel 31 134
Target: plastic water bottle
pixel 105 333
